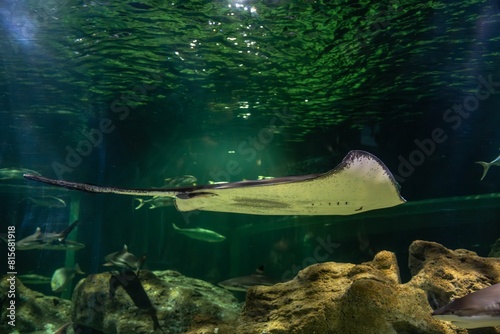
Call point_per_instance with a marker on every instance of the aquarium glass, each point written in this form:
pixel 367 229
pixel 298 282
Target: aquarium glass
pixel 185 94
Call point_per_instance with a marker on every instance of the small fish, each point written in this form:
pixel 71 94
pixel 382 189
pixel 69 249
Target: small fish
pixel 39 240
pixel 67 245
pixel 124 259
pixel 47 201
pixel 475 310
pixel 30 242
pixel 308 237
pixel 217 182
pixel 180 181
pixel 487 165
pixel 260 178
pixel 242 283
pixel 62 277
pixel 14 173
pixel 200 234
pixel 155 202
pixel 34 279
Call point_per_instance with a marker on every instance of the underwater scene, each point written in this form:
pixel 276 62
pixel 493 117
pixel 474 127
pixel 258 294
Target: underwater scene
pixel 250 166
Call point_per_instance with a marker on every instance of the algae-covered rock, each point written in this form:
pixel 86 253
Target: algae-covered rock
pixel 342 298
pixel 449 274
pixel 182 304
pixel 323 298
pixel 33 310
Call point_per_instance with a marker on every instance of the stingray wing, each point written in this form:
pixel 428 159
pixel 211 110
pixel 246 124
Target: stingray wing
pixel 361 182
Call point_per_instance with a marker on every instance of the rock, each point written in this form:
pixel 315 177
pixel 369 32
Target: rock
pixel 446 274
pixel 33 310
pixel 369 298
pixel 341 298
pixel 183 305
pixel 328 297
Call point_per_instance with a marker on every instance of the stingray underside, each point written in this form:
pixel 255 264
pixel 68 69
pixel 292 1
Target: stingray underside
pixel 361 182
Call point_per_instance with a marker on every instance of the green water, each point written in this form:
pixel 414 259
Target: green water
pixel 227 91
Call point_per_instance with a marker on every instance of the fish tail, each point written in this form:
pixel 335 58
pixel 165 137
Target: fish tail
pixel 486 166
pixel 141 203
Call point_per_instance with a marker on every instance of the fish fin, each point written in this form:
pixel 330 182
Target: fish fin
pixel 175 227
pixel 260 270
pixel 141 203
pixel 67 231
pixel 78 270
pixel 108 264
pixel 141 262
pixel 64 328
pixel 125 248
pixel 486 166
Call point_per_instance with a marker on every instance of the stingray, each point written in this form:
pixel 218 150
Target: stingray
pixel 360 183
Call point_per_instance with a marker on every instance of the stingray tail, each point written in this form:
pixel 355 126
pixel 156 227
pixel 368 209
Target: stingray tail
pixel 486 166
pixel 91 188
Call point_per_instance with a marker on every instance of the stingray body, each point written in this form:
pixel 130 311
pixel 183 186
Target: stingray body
pixel 475 310
pixel 360 183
